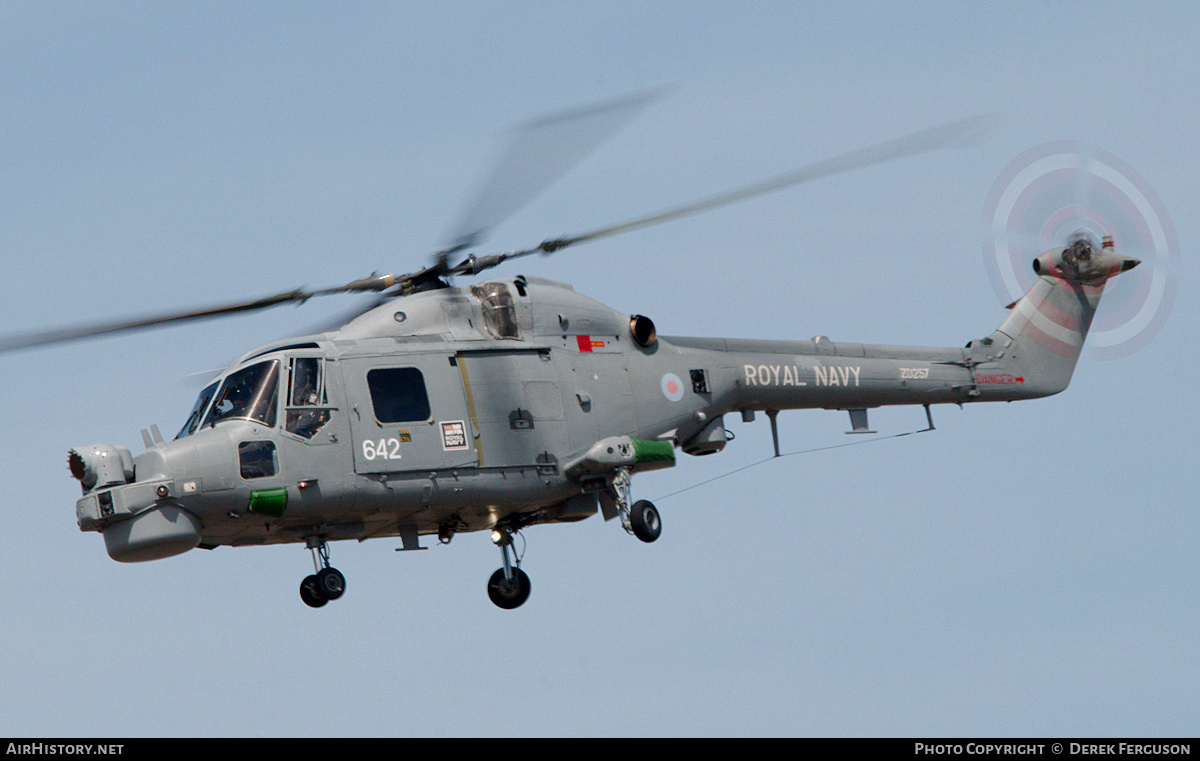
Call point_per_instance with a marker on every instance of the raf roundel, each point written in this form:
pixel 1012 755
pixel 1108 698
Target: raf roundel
pixel 672 387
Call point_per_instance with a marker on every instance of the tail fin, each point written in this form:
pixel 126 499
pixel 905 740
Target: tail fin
pixel 1034 351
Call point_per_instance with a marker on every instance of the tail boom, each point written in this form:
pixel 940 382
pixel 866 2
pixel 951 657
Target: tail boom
pixel 1032 354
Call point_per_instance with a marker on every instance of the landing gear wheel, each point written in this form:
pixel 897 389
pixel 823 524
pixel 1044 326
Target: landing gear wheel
pixel 508 594
pixel 644 521
pixel 327 583
pixel 330 583
pixel 308 592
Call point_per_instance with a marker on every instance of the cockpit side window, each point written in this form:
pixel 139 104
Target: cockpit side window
pixel 306 398
pixel 193 421
pixel 248 393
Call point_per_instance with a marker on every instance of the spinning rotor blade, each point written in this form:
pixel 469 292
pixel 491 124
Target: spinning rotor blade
pixel 960 133
pixel 539 153
pixel 299 296
pixel 591 125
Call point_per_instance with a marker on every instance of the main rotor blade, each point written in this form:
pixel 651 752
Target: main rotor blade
pixel 961 133
pixel 955 133
pixel 64 335
pixel 538 154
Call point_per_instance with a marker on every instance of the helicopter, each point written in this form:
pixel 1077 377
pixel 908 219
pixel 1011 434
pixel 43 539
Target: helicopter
pixel 518 401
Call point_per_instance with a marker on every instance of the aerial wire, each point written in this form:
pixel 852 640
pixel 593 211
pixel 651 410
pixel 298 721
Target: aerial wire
pixel 790 454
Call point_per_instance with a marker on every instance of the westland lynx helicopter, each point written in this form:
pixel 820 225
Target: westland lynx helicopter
pixel 518 401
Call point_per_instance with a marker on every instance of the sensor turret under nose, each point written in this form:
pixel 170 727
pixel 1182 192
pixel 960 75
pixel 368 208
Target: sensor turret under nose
pixel 100 465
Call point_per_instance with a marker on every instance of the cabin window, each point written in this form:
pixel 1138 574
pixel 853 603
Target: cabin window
pixel 257 459
pixel 249 393
pixel 307 410
pixel 398 394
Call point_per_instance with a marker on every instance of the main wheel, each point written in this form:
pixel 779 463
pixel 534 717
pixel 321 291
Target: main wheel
pixel 308 592
pixel 330 583
pixel 508 594
pixel 644 520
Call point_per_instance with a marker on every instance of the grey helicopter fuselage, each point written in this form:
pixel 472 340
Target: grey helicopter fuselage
pixel 518 401
pixel 514 402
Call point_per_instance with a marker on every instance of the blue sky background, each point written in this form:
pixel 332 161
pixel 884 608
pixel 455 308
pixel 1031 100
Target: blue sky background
pixel 1026 569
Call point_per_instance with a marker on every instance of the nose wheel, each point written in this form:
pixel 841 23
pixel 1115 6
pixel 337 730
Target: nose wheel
pixel 508 592
pixel 508 587
pixel 327 583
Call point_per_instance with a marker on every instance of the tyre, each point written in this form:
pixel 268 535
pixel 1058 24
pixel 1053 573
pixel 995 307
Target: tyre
pixel 308 592
pixel 644 520
pixel 330 583
pixel 508 594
